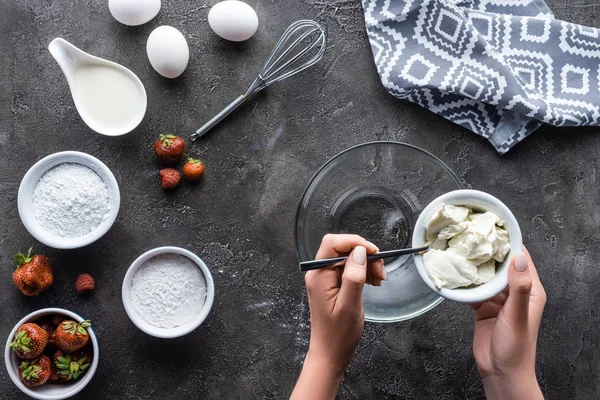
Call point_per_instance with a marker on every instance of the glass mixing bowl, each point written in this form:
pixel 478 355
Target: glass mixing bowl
pixel 377 190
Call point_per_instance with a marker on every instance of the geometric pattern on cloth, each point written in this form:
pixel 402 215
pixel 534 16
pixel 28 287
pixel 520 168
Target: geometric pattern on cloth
pixel 500 68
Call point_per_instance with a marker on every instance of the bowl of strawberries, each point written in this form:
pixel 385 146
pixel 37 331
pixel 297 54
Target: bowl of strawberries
pixel 51 354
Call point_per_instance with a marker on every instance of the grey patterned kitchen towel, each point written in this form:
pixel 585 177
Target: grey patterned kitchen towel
pixel 500 68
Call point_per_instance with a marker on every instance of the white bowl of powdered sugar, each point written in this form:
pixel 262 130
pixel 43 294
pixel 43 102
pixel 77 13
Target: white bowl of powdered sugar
pixel 168 292
pixel 68 200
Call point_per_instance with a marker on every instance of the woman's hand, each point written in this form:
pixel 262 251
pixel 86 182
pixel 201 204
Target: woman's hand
pixel 506 330
pixel 336 313
pixel 335 298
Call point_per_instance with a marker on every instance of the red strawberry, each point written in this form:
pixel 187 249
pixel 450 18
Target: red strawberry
pixel 35 372
pixel 30 340
pixel 84 283
pixel 50 329
pixel 169 149
pixel 70 366
pixel 87 351
pixel 169 178
pixel 71 336
pixel 33 274
pixel 193 169
pixel 57 319
pixel 53 373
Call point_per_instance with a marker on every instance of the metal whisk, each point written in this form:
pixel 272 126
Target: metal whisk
pixel 301 46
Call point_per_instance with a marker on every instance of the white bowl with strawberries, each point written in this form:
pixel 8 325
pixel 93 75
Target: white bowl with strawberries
pixel 51 354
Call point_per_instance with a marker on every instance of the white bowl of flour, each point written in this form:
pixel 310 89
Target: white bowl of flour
pixel 168 292
pixel 68 200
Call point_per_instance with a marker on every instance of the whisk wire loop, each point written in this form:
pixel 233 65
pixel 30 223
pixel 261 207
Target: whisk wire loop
pixel 270 64
pixel 288 57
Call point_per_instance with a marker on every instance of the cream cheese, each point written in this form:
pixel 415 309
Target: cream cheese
pixel 446 215
pixel 465 246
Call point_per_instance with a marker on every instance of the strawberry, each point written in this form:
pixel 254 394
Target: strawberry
pixel 169 149
pixel 71 336
pixel 57 319
pixel 193 169
pixel 30 340
pixel 87 351
pixel 50 329
pixel 33 274
pixel 169 178
pixel 84 283
pixel 54 374
pixel 70 366
pixel 35 372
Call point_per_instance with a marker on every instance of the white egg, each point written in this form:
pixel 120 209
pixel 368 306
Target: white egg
pixel 168 51
pixel 134 12
pixel 233 20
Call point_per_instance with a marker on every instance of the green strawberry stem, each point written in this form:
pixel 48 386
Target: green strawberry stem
pixel 22 259
pixel 30 369
pixel 71 369
pixel 21 342
pixel 166 140
pixel 75 328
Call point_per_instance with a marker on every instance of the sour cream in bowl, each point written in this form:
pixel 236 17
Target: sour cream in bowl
pixel 473 237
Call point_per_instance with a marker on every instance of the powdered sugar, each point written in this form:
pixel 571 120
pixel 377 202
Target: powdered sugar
pixel 168 290
pixel 71 200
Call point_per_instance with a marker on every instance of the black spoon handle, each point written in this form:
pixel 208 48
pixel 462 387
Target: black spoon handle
pixel 328 262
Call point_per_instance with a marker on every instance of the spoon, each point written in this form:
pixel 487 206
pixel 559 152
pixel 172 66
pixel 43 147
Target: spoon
pixel 329 262
pixel 110 98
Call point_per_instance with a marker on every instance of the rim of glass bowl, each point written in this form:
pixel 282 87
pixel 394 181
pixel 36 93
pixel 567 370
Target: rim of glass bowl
pixel 327 164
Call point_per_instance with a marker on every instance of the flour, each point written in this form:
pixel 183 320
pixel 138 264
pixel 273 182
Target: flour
pixel 71 200
pixel 168 290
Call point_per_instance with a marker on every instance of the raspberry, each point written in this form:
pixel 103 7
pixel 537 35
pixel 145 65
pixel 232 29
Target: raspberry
pixel 169 178
pixel 84 283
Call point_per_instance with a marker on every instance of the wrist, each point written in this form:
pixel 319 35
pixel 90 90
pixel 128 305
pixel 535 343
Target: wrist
pixel 318 361
pixel 512 387
pixel 319 380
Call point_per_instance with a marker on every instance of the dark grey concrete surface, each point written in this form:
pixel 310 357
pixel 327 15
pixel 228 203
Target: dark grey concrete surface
pixel 240 218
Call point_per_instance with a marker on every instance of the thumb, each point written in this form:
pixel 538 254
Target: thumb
pixel 520 284
pixel 353 278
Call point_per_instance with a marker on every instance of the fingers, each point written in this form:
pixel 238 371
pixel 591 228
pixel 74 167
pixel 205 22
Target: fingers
pixel 537 291
pixel 371 279
pixel 376 273
pixel 520 283
pixel 321 283
pixel 538 288
pixel 337 245
pixel 353 279
pixel 382 273
pixel 500 299
pixel 534 275
pixel 490 308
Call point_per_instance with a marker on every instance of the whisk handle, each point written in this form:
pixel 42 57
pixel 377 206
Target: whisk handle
pixel 218 118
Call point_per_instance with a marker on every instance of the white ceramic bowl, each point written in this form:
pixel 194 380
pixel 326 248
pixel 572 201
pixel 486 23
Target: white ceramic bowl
pixel 480 201
pixel 49 391
pixel 25 199
pixel 181 330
